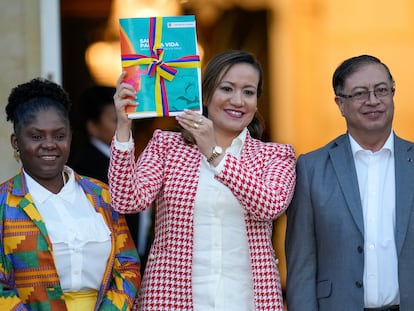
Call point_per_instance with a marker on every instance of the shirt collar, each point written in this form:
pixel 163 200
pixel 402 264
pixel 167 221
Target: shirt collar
pixel 40 194
pixel 389 144
pixel 238 143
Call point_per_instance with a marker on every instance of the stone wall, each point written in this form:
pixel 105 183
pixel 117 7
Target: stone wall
pixel 19 62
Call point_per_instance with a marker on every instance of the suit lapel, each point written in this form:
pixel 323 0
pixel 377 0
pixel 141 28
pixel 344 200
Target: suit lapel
pixel 404 179
pixel 344 166
pixel 342 160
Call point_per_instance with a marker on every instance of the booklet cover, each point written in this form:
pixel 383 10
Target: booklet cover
pixel 160 56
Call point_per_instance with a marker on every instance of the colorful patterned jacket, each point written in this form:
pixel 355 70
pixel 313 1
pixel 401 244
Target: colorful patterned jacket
pixel 28 276
pixel 168 171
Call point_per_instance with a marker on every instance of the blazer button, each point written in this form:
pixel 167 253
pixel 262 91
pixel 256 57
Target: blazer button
pixel 151 256
pixel 360 249
pixel 358 284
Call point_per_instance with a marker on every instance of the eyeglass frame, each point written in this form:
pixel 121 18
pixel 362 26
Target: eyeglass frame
pixel 366 93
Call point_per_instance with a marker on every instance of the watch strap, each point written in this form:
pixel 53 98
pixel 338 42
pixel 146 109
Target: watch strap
pixel 213 156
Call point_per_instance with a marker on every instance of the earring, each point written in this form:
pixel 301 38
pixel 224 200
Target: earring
pixel 16 155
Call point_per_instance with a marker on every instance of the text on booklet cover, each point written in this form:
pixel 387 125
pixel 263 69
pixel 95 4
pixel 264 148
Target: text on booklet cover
pixel 160 56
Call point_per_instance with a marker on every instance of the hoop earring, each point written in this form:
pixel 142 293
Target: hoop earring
pixel 16 155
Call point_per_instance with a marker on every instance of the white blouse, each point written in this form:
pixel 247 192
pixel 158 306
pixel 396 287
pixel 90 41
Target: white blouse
pixel 222 273
pixel 80 238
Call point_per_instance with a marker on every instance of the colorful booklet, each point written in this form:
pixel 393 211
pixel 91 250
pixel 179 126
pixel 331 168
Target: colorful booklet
pixel 160 56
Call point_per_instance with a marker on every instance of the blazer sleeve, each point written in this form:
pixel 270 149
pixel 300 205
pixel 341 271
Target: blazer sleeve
pixel 300 246
pixel 264 185
pixel 133 185
pixel 9 298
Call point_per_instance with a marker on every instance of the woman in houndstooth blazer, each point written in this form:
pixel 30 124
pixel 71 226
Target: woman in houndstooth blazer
pixel 217 189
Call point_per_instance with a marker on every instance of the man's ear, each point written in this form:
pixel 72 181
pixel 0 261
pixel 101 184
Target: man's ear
pixel 340 103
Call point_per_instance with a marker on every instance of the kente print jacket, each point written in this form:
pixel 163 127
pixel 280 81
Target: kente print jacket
pixel 28 275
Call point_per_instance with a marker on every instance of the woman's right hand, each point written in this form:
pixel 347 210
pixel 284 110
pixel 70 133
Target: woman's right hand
pixel 124 96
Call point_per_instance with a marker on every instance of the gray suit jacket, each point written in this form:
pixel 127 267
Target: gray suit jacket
pixel 324 238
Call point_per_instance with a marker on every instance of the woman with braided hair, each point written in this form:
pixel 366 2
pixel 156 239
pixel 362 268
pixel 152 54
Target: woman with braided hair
pixel 62 246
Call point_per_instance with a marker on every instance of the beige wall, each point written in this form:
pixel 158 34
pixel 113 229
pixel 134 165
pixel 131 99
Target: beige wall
pixel 309 40
pixel 19 61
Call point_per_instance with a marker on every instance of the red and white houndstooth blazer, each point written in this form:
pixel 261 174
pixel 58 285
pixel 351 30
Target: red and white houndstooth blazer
pixel 167 171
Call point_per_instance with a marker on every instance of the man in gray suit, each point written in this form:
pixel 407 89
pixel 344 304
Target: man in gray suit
pixel 350 229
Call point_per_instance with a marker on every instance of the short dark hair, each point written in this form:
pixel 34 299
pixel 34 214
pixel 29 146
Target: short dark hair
pixel 351 65
pixel 26 99
pixel 93 100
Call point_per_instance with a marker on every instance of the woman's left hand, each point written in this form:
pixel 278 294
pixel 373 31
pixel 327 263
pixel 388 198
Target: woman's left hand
pixel 201 128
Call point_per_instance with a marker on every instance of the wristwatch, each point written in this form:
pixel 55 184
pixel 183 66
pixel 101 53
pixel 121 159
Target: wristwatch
pixel 217 150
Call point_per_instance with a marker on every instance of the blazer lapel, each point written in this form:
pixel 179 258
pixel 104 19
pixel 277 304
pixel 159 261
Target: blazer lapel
pixel 248 152
pixel 404 192
pixel 344 166
pixel 21 198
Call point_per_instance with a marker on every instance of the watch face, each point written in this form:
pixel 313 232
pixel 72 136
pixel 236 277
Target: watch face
pixel 217 150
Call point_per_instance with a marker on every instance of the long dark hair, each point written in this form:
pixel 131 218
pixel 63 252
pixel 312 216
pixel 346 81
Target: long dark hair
pixel 218 66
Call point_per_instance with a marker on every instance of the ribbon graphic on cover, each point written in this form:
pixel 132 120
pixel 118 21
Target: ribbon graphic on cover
pixel 162 69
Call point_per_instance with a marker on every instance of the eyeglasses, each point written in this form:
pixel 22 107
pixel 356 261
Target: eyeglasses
pixel 379 92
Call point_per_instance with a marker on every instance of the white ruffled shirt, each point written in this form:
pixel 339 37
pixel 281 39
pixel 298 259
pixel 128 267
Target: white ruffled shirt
pixel 80 238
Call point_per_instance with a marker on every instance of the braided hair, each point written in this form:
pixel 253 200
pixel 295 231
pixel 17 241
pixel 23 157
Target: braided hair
pixel 27 99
